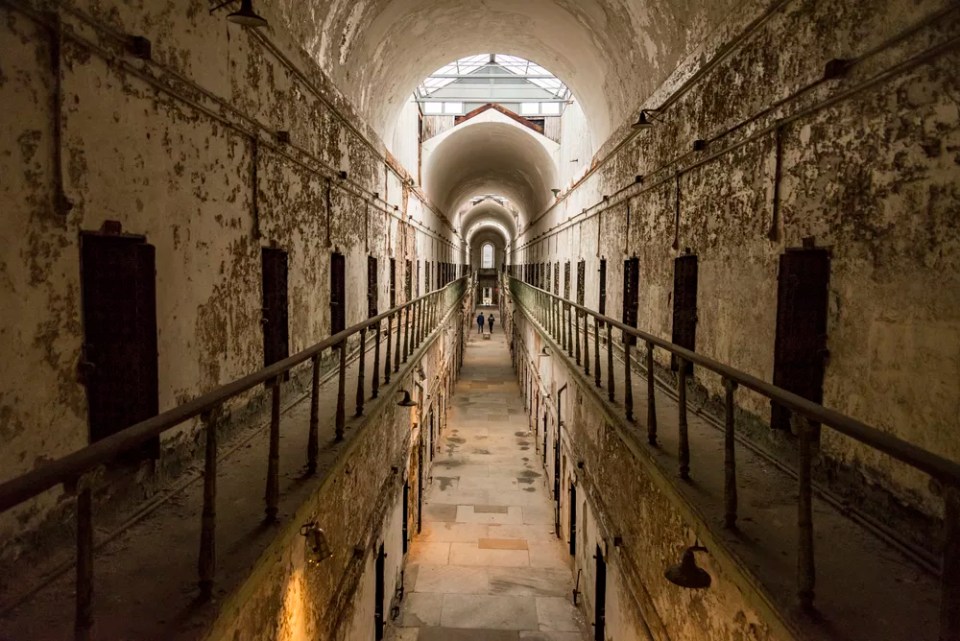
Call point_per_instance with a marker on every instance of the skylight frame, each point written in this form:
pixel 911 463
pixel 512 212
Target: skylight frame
pixel 519 67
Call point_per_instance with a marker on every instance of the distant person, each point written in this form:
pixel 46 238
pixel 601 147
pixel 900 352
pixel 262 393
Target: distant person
pixel 480 323
pixel 490 322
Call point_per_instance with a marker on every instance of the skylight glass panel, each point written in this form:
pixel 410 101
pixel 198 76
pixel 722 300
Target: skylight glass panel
pixel 476 70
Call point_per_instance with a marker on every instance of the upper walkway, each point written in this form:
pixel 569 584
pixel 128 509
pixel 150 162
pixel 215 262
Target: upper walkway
pixel 487 565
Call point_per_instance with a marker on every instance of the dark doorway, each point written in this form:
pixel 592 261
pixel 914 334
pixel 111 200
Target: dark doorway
pixel 420 486
pixel 600 601
pixel 602 308
pixel 556 479
pixel 433 435
pixel 276 341
pixel 118 281
pixel 684 305
pixel 546 429
pixel 631 293
pixel 573 520
pixel 373 293
pixel 338 293
pixel 406 515
pixel 800 350
pixel 381 592
pixel 393 283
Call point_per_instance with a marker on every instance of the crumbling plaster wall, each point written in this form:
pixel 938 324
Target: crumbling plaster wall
pixel 869 169
pixel 171 148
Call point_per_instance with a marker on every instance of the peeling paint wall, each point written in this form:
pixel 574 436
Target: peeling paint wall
pixel 182 149
pixel 869 166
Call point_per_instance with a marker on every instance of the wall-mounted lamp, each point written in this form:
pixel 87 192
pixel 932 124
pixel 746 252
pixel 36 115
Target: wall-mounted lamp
pixel 687 574
pixel 556 192
pixel 316 542
pixel 646 118
pixel 246 16
pixel 406 401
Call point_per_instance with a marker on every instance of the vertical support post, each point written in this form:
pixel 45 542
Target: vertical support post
pixel 684 444
pixel 651 398
pixel 627 378
pixel 313 435
pixel 586 344
pixel 806 572
pixel 576 332
pixel 273 457
pixel 388 351
pixel 950 567
pixel 597 326
pixel 361 367
pixel 342 392
pixel 207 560
pixel 729 459
pixel 375 383
pixel 83 621
pixel 611 381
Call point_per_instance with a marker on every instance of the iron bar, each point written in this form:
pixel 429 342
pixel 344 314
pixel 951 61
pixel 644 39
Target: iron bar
pixel 651 398
pixel 627 379
pixel 611 381
pixel 341 393
pixel 684 443
pixel 806 572
pixel 272 494
pixel 375 383
pixel 361 367
pixel 313 436
pixel 207 560
pixel 729 458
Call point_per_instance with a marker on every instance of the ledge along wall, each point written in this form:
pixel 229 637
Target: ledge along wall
pixel 180 146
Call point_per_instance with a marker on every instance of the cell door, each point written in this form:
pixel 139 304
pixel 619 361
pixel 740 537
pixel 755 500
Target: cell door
pixel 600 598
pixel 800 349
pixel 546 428
pixel 433 435
pixel 566 280
pixel 373 292
pixel 118 287
pixel 408 280
pixel 631 292
pixel 393 283
pixel 556 278
pixel 420 486
pixel 381 592
pixel 581 281
pixel 684 305
pixel 602 304
pixel 573 520
pixel 338 293
pixel 556 479
pixel 276 339
pixel 405 527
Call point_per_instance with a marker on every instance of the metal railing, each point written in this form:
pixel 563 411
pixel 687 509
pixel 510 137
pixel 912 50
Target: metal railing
pixel 415 320
pixel 561 319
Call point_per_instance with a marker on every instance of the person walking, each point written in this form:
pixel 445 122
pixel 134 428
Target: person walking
pixel 490 321
pixel 480 323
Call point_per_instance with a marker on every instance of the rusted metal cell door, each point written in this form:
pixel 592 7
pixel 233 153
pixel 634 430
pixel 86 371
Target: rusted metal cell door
pixel 276 339
pixel 573 520
pixel 380 593
pixel 428 274
pixel 566 280
pixel 556 278
pixel 581 281
pixel 602 304
pixel 393 283
pixel 631 292
pixel 685 270
pixel 118 281
pixel 405 526
pixel 439 274
pixel 549 280
pixel 373 291
pixel 408 279
pixel 800 349
pixel 600 598
pixel 338 293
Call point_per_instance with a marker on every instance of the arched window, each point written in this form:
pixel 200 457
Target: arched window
pixel 486 256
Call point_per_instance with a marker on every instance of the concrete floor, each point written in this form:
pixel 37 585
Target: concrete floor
pixel 487 565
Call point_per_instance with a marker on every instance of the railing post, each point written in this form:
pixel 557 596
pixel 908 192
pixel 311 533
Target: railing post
pixel 361 367
pixel 627 377
pixel 375 383
pixel 207 560
pixel 806 572
pixel 729 459
pixel 597 326
pixel 272 494
pixel 83 621
pixel 396 353
pixel 313 435
pixel 950 566
pixel 406 333
pixel 684 444
pixel 651 398
pixel 586 344
pixel 576 332
pixel 611 381
pixel 341 393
